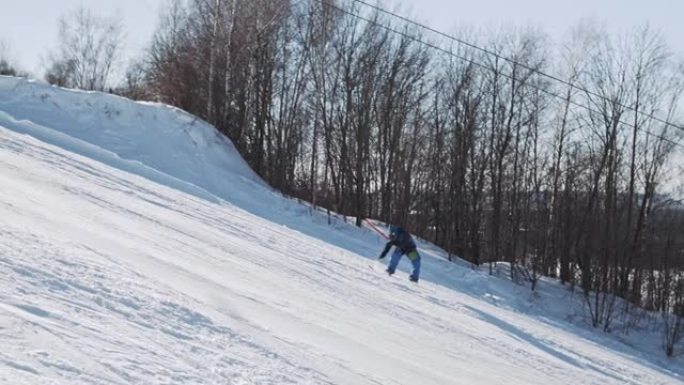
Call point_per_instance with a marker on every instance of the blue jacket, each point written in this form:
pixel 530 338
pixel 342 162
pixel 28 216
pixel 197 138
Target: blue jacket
pixel 401 239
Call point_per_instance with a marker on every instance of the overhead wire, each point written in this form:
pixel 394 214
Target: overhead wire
pixel 484 66
pixel 512 61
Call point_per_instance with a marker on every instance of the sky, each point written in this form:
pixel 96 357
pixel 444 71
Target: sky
pixel 553 16
pixel 29 27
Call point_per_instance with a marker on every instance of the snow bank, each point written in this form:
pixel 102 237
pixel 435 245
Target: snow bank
pixel 158 136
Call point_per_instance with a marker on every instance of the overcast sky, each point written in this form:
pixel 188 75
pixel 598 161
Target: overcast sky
pixel 29 27
pixel 554 16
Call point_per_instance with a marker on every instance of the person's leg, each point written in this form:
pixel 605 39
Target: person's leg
pixel 394 261
pixel 415 261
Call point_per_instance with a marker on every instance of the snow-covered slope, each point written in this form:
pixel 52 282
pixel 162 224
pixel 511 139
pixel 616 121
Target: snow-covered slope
pixel 131 254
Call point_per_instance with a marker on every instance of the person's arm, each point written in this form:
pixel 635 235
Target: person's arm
pixel 388 246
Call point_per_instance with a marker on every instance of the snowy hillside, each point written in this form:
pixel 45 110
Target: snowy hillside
pixel 136 247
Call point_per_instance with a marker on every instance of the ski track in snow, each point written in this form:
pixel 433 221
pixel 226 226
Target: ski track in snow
pixel 107 277
pixel 88 308
pixel 103 306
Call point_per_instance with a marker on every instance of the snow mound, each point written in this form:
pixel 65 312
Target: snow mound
pixel 157 136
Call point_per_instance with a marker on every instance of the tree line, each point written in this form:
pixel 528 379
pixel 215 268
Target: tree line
pixel 473 149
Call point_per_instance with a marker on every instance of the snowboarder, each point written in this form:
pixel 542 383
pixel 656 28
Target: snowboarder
pixel 404 244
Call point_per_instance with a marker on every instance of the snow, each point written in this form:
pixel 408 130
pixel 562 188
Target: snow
pixel 137 247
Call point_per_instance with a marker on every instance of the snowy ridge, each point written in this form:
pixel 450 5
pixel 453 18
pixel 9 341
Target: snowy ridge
pixel 160 137
pixel 121 265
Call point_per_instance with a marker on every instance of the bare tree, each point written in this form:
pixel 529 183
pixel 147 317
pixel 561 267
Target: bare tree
pixel 8 68
pixel 136 83
pixel 89 47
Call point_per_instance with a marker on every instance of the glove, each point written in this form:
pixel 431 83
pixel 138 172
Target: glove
pixel 381 256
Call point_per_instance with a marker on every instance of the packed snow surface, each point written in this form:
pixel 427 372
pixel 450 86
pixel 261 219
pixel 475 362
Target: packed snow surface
pixel 137 247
